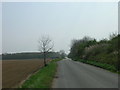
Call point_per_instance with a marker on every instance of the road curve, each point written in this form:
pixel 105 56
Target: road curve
pixel 72 74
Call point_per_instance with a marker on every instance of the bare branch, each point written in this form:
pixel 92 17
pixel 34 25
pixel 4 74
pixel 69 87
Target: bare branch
pixel 45 44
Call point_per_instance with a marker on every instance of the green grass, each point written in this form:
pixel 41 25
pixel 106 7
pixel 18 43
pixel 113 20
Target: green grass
pixel 43 78
pixel 101 65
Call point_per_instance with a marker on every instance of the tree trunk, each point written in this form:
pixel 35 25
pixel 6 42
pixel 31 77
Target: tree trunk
pixel 45 59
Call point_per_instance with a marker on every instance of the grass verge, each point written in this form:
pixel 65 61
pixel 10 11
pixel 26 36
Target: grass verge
pixel 101 65
pixel 43 78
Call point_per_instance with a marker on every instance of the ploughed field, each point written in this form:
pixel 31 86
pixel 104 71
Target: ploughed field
pixel 15 71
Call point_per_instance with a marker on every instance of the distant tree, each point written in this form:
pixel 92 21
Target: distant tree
pixel 78 46
pixel 113 35
pixel 45 46
pixel 62 53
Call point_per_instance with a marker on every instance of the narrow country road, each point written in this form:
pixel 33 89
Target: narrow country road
pixel 72 74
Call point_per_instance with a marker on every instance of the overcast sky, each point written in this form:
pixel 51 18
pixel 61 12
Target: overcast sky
pixel 23 23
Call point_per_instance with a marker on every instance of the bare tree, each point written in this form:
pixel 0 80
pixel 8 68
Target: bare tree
pixel 45 46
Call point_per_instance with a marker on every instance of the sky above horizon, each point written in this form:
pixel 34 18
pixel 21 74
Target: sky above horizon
pixel 23 23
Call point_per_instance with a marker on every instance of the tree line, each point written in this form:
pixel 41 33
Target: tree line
pixel 31 55
pixel 104 51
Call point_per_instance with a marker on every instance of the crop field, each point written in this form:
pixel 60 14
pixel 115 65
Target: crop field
pixel 15 71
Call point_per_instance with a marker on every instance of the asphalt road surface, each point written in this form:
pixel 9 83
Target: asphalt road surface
pixel 72 74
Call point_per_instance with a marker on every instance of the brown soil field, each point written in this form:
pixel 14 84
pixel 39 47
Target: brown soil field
pixel 15 71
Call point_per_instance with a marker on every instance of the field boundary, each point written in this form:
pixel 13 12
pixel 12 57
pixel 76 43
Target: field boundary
pixel 23 81
pixel 33 73
pixel 43 78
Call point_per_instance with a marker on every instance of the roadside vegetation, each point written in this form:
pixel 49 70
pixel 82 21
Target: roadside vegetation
pixel 103 53
pixel 43 78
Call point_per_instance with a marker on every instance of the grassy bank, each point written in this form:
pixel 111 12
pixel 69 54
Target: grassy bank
pixel 43 78
pixel 101 65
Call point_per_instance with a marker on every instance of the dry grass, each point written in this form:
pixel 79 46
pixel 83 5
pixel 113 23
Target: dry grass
pixel 15 71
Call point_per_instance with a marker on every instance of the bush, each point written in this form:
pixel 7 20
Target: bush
pixel 104 51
